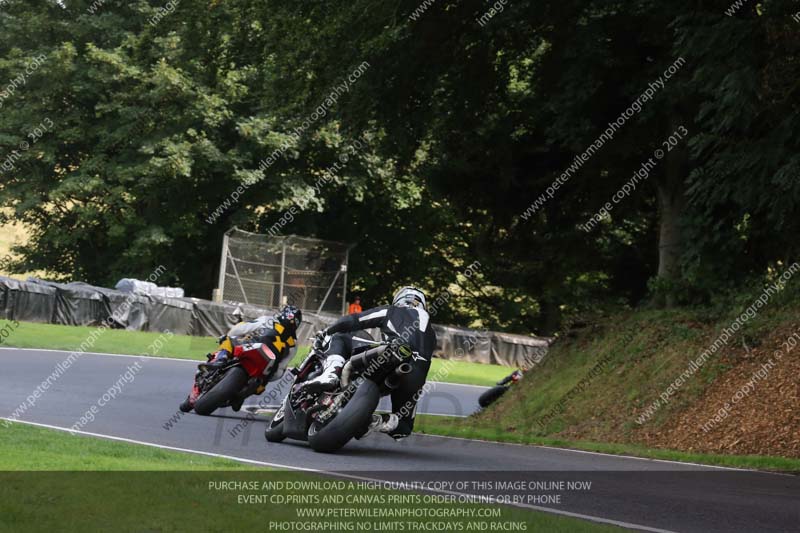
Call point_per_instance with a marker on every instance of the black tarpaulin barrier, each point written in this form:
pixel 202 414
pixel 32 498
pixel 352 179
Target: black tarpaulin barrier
pixel 210 319
pixel 29 302
pixel 462 344
pixel 3 297
pixel 125 310
pixel 77 304
pixel 170 314
pixel 489 347
pixel 82 304
pixel 517 350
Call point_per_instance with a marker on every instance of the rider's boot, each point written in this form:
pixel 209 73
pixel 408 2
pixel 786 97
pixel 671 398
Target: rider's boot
pixel 329 379
pixel 219 360
pixel 384 423
pixel 236 404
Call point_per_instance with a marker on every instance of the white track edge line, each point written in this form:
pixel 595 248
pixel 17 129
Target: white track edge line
pixel 590 518
pixel 195 361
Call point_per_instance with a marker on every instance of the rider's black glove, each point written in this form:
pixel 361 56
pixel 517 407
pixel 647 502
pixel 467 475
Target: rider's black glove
pixel 320 343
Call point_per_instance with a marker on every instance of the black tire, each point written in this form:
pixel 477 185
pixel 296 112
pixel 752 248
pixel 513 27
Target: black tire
pixel 185 406
pixel 274 433
pixel 490 396
pixel 351 420
pixel 227 389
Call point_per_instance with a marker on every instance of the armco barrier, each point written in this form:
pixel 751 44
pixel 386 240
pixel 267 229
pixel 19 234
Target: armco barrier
pixel 78 303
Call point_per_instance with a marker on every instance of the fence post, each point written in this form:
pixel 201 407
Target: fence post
pixel 223 265
pixel 344 288
pixel 283 271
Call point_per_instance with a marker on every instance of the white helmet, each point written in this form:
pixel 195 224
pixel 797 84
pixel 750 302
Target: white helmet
pixel 410 297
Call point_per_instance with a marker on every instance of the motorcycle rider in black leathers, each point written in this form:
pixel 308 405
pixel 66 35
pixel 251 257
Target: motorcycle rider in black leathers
pixel 406 321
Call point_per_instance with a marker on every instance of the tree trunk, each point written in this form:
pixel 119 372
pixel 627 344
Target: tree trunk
pixel 672 206
pixel 549 316
pixel 670 241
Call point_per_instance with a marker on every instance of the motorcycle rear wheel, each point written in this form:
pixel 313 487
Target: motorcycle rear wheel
pixel 352 420
pixel 224 391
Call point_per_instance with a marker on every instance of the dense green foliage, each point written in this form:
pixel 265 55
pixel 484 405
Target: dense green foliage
pixel 159 111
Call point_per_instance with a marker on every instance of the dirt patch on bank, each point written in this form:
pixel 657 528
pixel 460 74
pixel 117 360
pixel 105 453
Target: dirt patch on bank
pixel 752 409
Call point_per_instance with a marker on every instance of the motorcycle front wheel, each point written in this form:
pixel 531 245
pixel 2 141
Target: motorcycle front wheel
pixel 274 431
pixel 228 387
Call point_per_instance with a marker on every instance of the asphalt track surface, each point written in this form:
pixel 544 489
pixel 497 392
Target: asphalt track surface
pixel 635 493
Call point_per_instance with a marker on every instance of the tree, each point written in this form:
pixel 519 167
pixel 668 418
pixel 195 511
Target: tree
pixel 159 117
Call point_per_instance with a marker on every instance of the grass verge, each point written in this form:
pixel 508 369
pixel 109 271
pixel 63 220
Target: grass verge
pixel 25 448
pixel 56 337
pixel 465 428
pixel 133 497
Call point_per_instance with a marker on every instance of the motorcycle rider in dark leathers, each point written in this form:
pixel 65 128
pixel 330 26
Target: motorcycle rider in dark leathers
pixel 406 321
pixel 278 332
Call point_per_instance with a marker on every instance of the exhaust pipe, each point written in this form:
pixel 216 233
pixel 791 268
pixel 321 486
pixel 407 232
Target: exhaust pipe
pixel 392 381
pixel 366 359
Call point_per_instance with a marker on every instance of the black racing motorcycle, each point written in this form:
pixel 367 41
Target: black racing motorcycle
pixel 328 420
pixel 492 395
